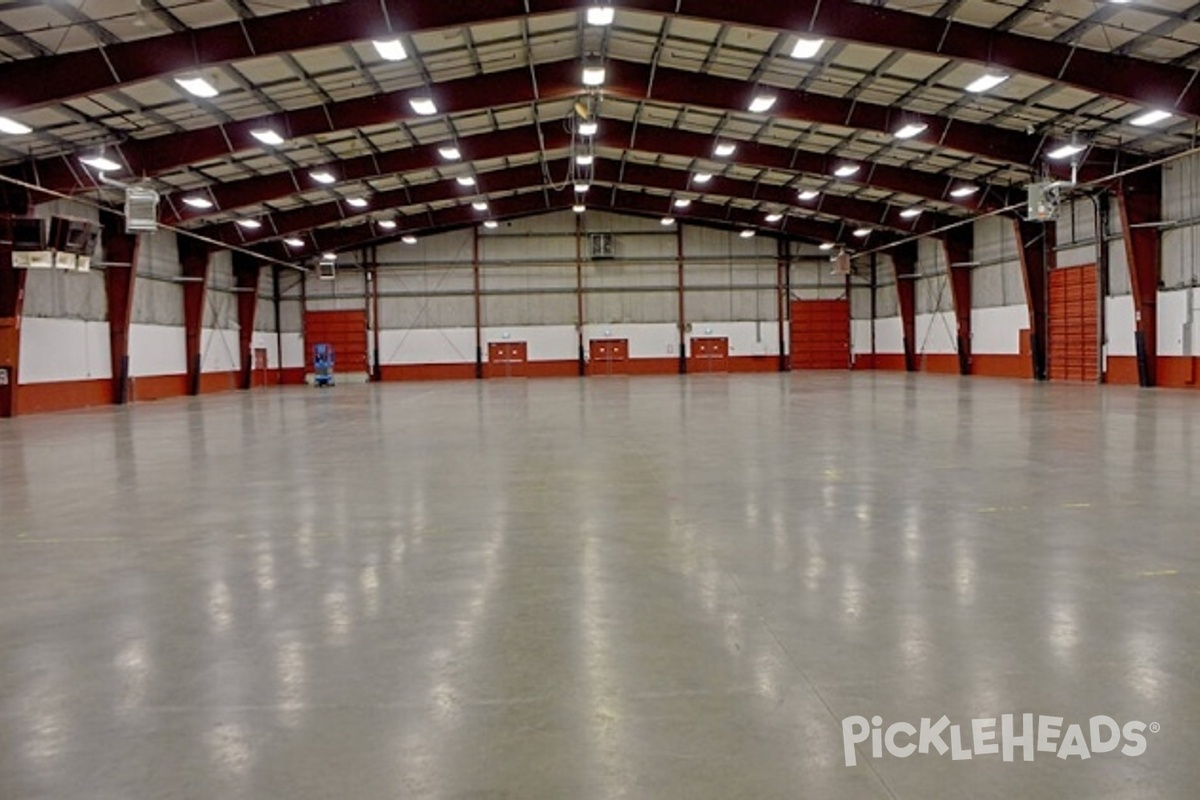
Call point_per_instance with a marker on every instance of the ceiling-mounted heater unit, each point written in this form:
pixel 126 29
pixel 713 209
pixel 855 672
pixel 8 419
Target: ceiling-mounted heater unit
pixel 841 264
pixel 601 246
pixel 1043 200
pixel 141 210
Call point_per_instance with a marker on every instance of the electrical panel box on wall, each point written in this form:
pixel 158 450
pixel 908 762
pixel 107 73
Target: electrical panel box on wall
pixel 601 246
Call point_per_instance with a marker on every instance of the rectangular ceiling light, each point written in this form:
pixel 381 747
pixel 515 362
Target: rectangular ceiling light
pixel 702 177
pixel 807 48
pixel 667 221
pixel 250 224
pixel 357 202
pixel 747 234
pixel 593 76
pixel 1150 118
pixel 600 15
pixel 682 202
pixel 390 49
pixel 198 86
pixel 774 217
pixel 267 136
pixel 423 106
pixel 582 187
pixel 579 208
pixel 724 149
pixel 808 194
pixel 292 241
pixel 988 80
pixel 964 191
pixel 465 180
pixel 198 202
pixel 911 129
pixel 13 128
pixel 846 170
pixel 387 224
pixel 862 233
pixel 827 246
pixel 1066 150
pixel 322 176
pixel 102 163
pixel 588 128
pixel 911 213
pixel 762 103
pixel 584 159
pixel 450 153
pixel 479 205
pixel 408 239
pixel 491 224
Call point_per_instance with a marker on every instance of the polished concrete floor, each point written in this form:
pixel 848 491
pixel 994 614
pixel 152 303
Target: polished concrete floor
pixel 643 588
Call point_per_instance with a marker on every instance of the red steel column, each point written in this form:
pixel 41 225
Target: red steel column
pixel 783 268
pixel 246 272
pixel 193 257
pixel 1036 245
pixel 478 303
pixel 682 308
pixel 12 298
pixel 904 261
pixel 1139 199
pixel 120 251
pixel 958 245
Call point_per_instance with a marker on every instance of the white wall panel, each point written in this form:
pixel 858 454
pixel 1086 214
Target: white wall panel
pixel 1119 326
pixel 424 346
pixel 67 295
pixel 889 336
pixel 936 333
pixel 63 350
pixel 860 336
pixel 156 350
pixel 998 330
pixel 219 350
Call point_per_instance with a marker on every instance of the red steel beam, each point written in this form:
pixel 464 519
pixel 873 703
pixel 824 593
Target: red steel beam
pixel 246 272
pixel 904 262
pixel 958 245
pixel 1036 244
pixel 12 300
pixel 1139 198
pixel 120 250
pixel 37 81
pixel 194 259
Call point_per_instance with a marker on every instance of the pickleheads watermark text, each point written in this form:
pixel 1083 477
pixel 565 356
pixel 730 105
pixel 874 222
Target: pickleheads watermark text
pixel 1028 734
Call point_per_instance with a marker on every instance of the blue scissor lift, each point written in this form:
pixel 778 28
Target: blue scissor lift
pixel 323 365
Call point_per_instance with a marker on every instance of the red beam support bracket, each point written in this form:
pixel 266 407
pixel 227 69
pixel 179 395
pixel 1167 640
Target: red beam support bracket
pixel 1036 242
pixel 193 258
pixel 1139 198
pixel 120 251
pixel 958 245
pixel 904 261
pixel 246 272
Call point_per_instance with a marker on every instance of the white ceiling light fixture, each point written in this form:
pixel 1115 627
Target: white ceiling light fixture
pixel 196 201
pixel 491 224
pixel 594 74
pixel 480 205
pixel 600 14
pixel 862 233
pixel 846 170
pixel 294 242
pixel 390 49
pixel 14 128
pixel 584 159
pixel 588 128
pixel 249 224
pixel 774 216
pixel 806 195
pixel 465 180
pixel 408 238
pixel 387 224
pixel 910 129
pixel 450 152
pixel 323 176
pixel 580 188
pixel 423 106
pixel 357 202
pixel 966 190
pixel 747 234
pixel 329 256
pixel 806 47
pixel 100 162
pixel 826 246
pixel 197 85
pixel 682 202
pixel 911 213
pixel 986 82
pixel 724 149
pixel 268 136
pixel 762 103
pixel 579 208
pixel 666 222
pixel 1066 150
pixel 1152 117
pixel 702 177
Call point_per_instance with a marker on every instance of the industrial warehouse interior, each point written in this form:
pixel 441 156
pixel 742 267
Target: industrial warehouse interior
pixel 587 399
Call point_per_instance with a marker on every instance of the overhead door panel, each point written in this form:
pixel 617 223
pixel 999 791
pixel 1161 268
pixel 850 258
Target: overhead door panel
pixel 820 334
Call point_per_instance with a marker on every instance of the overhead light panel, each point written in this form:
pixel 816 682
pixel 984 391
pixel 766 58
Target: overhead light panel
pixel 329 256
pixel 846 170
pixel 423 106
pixel 986 81
pixel 387 224
pixel 964 191
pixel 588 128
pixel 762 103
pixel 862 233
pixel 101 162
pixel 390 49
pixel 600 15
pixel 1150 118
pixel 725 149
pixel 450 153
pixel 682 202
pixel 197 85
pixel 198 202
pixel 1066 150
pixel 774 217
pixel 593 75
pixel 702 177
pixel 465 180
pixel 827 246
pixel 584 159
pixel 580 188
pixel 480 205
pixel 491 224
pixel 249 224
pixel 322 176
pixel 13 128
pixel 267 136
pixel 807 48
pixel 293 242
pixel 747 234
pixel 408 239
pixel 808 194
pixel 579 208
pixel 667 221
pixel 357 202
pixel 910 129
pixel 911 213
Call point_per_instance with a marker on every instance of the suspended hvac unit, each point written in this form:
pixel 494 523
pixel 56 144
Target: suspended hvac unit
pixel 601 246
pixel 141 210
pixel 68 244
pixel 1043 200
pixel 841 264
